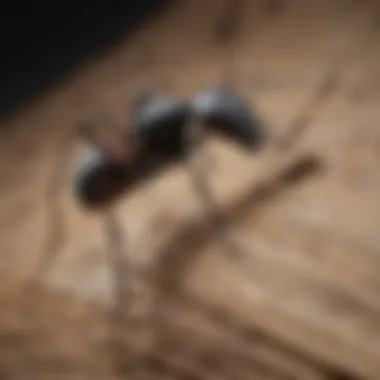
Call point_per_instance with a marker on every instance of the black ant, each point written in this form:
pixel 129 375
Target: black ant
pixel 163 131
pixel 159 133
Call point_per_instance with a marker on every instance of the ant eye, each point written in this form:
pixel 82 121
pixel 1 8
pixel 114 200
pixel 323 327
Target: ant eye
pixel 158 125
pixel 98 180
pixel 226 113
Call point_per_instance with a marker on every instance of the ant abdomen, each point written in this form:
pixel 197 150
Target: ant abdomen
pixel 158 126
pixel 226 113
pixel 99 180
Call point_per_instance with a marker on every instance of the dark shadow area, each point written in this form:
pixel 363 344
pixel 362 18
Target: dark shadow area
pixel 41 43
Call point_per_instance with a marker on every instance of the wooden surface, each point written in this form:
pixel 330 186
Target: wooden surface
pixel 302 301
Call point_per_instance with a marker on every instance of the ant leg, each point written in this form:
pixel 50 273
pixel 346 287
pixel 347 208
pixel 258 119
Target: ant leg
pixel 285 168
pixel 54 220
pixel 218 221
pixel 120 273
pixel 121 149
pixel 119 265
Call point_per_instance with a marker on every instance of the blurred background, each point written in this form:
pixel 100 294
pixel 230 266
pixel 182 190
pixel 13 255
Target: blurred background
pixel 310 309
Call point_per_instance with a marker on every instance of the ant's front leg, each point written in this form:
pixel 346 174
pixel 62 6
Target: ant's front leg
pixel 104 175
pixel 120 272
pixel 55 228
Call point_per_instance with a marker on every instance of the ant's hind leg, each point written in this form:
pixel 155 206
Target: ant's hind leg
pixel 218 221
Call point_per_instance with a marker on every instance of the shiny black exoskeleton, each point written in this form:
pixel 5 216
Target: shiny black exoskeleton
pixel 159 122
pixel 158 125
pixel 158 132
pixel 224 112
pixel 98 179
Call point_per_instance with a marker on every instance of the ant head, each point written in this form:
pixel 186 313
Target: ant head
pixel 99 180
pixel 226 113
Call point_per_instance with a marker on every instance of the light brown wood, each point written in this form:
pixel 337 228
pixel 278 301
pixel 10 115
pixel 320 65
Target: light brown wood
pixel 303 301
